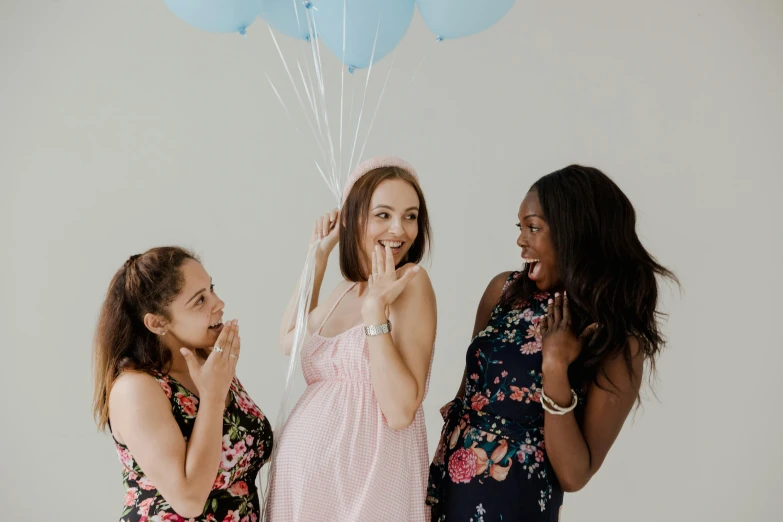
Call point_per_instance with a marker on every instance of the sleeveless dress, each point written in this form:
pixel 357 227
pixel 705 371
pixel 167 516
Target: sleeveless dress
pixel 491 463
pixel 247 444
pixel 337 458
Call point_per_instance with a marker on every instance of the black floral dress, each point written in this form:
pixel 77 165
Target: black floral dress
pixel 247 444
pixel 491 463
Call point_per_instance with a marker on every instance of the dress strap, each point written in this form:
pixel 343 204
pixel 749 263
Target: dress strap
pixel 334 307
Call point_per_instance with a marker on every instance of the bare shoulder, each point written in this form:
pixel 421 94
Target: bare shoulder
pixel 617 376
pixel 133 388
pixel 495 288
pixel 419 285
pixel 319 312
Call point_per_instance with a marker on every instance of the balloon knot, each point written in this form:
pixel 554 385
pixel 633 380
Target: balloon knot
pixel 243 31
pixel 351 69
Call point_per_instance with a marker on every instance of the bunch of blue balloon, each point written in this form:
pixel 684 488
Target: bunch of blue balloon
pixel 359 32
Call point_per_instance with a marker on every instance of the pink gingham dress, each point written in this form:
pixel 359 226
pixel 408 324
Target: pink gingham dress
pixel 338 460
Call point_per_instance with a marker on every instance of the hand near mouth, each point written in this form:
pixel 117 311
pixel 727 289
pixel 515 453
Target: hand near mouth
pixel 384 285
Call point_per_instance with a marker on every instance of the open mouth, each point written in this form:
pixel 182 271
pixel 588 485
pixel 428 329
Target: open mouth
pixel 533 267
pixel 217 326
pixel 395 246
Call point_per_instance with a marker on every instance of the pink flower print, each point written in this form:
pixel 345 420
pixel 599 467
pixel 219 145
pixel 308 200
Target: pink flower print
pixel 164 383
pixel 527 315
pixel 478 401
pixel 504 374
pixel 249 440
pixel 144 507
pixel 500 396
pixel 125 458
pixel 188 404
pixel 230 459
pixel 248 406
pixel 171 517
pixel 145 484
pixel 232 516
pixel 132 476
pixel 253 517
pixel 226 442
pixel 530 348
pixel 536 397
pixel 533 332
pixel 245 519
pixel 222 480
pixel 539 456
pixel 238 489
pixel 462 466
pixel 474 376
pixel 517 393
pixel 130 496
pixel 497 380
pixel 240 448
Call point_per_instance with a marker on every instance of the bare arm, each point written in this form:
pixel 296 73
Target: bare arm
pixel 577 453
pixel 289 318
pixel 486 305
pixel 400 362
pixel 183 472
pixel 327 231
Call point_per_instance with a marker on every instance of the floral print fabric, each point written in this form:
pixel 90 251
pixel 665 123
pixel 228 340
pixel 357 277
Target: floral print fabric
pixel 491 461
pixel 247 444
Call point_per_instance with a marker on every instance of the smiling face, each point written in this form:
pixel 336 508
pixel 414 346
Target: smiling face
pixel 385 206
pixel 535 240
pixel 194 316
pixel 392 220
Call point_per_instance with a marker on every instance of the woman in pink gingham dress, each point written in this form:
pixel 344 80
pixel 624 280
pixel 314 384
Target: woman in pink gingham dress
pixel 355 447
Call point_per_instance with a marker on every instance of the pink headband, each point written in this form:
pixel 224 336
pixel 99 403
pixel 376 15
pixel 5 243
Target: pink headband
pixel 372 164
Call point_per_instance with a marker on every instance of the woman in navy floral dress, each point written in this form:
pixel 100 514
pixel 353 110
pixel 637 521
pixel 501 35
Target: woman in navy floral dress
pixel 557 357
pixel 190 439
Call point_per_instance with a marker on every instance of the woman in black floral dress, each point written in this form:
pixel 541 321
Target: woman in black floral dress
pixel 190 440
pixel 557 358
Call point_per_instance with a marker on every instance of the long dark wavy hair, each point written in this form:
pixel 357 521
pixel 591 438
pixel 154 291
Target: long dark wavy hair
pixel 610 277
pixel 145 283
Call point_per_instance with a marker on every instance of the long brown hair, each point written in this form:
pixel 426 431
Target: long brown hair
pixel 354 220
pixel 146 283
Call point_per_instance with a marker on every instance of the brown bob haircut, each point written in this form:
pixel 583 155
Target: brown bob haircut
pixel 354 217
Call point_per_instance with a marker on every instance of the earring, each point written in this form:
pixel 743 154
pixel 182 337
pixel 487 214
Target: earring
pixel 163 333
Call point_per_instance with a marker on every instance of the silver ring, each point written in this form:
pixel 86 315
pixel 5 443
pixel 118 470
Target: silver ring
pixel 218 349
pixel 232 356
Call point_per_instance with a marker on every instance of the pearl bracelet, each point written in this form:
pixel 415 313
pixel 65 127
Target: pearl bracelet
pixel 551 407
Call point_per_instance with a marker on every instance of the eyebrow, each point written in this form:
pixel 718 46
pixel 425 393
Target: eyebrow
pixel 199 292
pixel 532 215
pixel 392 208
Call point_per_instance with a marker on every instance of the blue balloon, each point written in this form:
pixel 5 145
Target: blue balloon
pixel 217 16
pixel 458 18
pixel 287 16
pixel 364 19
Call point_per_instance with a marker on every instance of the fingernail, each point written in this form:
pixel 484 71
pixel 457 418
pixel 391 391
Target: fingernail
pixel 557 294
pixel 551 301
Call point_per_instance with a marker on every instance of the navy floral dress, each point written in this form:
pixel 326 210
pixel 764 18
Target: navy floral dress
pixel 491 463
pixel 247 445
